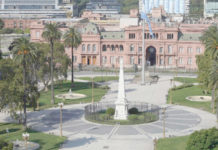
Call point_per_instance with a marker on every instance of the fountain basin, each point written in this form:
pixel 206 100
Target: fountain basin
pixel 70 95
pixel 199 98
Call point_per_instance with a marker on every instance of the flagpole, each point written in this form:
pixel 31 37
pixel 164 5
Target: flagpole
pixel 143 53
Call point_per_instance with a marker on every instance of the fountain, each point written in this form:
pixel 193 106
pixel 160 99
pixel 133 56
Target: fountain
pixel 70 95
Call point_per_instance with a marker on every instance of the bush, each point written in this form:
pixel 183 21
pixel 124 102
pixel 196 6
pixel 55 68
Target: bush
pixel 5 146
pixel 133 117
pixel 110 111
pixel 182 87
pixel 133 111
pixel 203 140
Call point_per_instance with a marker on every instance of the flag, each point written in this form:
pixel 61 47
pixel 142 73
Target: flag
pixel 144 16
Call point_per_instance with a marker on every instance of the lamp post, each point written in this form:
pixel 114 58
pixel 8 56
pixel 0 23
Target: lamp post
pixel 164 123
pixel 92 90
pixel 26 138
pixel 61 106
pixel 175 71
pixel 171 83
pixel 155 142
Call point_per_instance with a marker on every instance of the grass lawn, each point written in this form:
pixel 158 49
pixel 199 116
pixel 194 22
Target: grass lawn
pixel 175 143
pixel 82 88
pixel 186 80
pixel 178 97
pixel 100 78
pixel 46 141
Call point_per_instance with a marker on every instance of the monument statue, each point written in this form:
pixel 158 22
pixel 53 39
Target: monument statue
pixel 121 104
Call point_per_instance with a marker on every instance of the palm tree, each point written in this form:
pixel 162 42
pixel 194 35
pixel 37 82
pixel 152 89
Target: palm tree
pixel 210 40
pixel 51 34
pixel 72 38
pixel 24 55
pixel 214 83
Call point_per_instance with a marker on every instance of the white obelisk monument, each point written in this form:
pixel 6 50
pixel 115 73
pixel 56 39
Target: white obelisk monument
pixel 121 105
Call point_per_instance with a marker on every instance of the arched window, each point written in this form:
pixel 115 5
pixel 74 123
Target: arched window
pixel 148 35
pixel 156 35
pixel 104 48
pixel 83 47
pixel 112 48
pixel 131 47
pixel 88 48
pixel 121 47
pixel 93 47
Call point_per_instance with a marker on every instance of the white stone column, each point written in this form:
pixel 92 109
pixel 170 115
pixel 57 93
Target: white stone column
pixel 121 105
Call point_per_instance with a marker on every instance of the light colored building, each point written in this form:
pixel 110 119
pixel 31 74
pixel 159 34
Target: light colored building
pixel 170 6
pixel 174 45
pixel 210 8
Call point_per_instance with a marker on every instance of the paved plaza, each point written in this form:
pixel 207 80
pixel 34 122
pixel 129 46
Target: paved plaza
pixel 84 135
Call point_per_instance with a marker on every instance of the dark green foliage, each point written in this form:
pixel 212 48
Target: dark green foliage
pixel 110 111
pixel 133 111
pixel 5 145
pixel 196 8
pixel 10 31
pixel 203 140
pixel 182 87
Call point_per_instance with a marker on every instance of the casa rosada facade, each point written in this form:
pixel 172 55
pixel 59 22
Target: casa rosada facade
pixel 173 45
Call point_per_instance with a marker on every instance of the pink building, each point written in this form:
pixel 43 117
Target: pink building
pixel 174 45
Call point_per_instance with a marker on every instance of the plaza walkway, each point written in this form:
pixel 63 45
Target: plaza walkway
pixel 84 135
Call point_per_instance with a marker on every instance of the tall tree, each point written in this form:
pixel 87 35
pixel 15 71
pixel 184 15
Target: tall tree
pixel 210 40
pixel 72 38
pixel 51 34
pixel 24 55
pixel 206 62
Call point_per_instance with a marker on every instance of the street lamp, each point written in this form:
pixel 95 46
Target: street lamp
pixel 164 119
pixel 61 106
pixel 155 142
pixel 26 138
pixel 92 90
pixel 170 92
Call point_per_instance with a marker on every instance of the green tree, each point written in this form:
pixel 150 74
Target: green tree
pixel 203 140
pixel 2 24
pixel 205 62
pixel 0 54
pixel 51 34
pixel 72 38
pixel 24 55
pixel 210 40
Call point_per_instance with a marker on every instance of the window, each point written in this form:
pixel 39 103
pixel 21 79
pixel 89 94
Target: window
pixel 83 47
pixel 170 50
pixel 161 50
pixel 112 60
pixel 198 50
pixel 180 60
pixel 140 49
pixel 139 61
pixel 88 48
pixel 170 36
pixel 132 60
pixel 170 60
pixel 189 61
pixel 121 47
pixel 37 34
pixel 104 48
pixel 189 50
pixel 156 35
pixel 104 59
pixel 15 24
pixel 161 61
pixel 181 50
pixel 94 48
pixel 131 47
pixel 132 36
pixel 112 48
pixel 75 59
